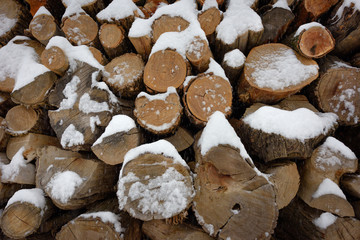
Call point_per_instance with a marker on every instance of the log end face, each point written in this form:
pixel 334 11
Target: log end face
pixel 316 42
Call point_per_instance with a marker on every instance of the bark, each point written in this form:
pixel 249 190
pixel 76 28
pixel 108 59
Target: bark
pixel 142 45
pixel 355 60
pixel 4 137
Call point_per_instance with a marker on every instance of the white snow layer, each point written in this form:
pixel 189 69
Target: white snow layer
pixel 118 123
pixel 119 9
pixel 106 217
pixel 70 94
pixel 71 137
pixel 34 196
pixel 73 10
pixel 238 19
pixel 6 24
pixel 307 26
pixel 234 58
pixel 299 124
pixel 282 4
pixel 209 4
pixel 328 187
pixel 62 185
pixel 273 68
pixel 325 220
pixel 159 96
pixel 102 85
pixel 347 4
pixel 166 195
pixel 42 10
pixel 80 2
pixel 216 69
pixel 86 105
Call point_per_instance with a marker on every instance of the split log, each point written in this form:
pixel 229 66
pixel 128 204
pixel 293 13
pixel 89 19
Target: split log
pixel 199 54
pixel 72 181
pixel 21 120
pixel 320 176
pixel 160 113
pixel 232 64
pixel 355 60
pixel 159 229
pixel 165 69
pixel 233 199
pixel 275 140
pixel 299 221
pixel 286 179
pixel 142 44
pixel 25 212
pixel 124 75
pixel 147 193
pixel 112 38
pixel 55 59
pixel 91 7
pixel 167 23
pixel 350 183
pixel 276 21
pixel 182 139
pixel 266 77
pixel 14 18
pixel 204 95
pixel 43 26
pixel 98 56
pixel 119 137
pixel 336 90
pixel 311 40
pixel 343 24
pixel 209 19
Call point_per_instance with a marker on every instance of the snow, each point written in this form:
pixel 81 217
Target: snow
pixel 234 58
pixel 299 124
pixel 346 99
pixel 282 4
pixel 123 73
pixel 62 185
pixel 74 53
pixel 86 105
pixel 209 4
pixel 105 217
pixel 73 10
pixel 307 26
pixel 71 137
pixel 70 94
pixel 93 122
pixel 42 10
pixel 159 147
pixel 102 85
pixel 80 2
pixel 34 196
pixel 216 69
pixel 347 4
pixel 166 195
pixel 209 227
pixel 6 24
pixel 328 187
pixel 160 96
pixel 118 123
pixel 238 19
pixel 325 220
pixel 119 9
pixel 272 69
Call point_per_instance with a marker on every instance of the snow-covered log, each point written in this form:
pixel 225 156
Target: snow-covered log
pixel 199 54
pixel 91 7
pixel 232 64
pixel 209 18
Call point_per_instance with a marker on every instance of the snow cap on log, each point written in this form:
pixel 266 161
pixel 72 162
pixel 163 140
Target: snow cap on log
pixel 118 10
pixel 35 196
pixel 92 7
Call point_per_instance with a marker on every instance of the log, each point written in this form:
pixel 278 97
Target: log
pixel 204 95
pixel 286 179
pixel 98 56
pixel 335 90
pixel 276 140
pixel 5 103
pixel 21 120
pixel 232 64
pixel 124 75
pixel 233 199
pixel 311 40
pixel 55 59
pixel 350 183
pixel 119 137
pixel 142 45
pixel 209 19
pixel 43 26
pixel 314 224
pixel 320 176
pixel 15 18
pixel 151 6
pixel 74 181
pixel 165 69
pixel 182 139
pixel 25 212
pixel 112 38
pixel 91 7
pixel 167 23
pixel 147 193
pixel 158 230
pixel 266 76
pixel 199 54
pixel 159 114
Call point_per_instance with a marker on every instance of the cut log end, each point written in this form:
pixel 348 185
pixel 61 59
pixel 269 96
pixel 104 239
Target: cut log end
pixel 112 38
pixel 43 27
pixel 168 24
pixel 20 120
pixel 55 59
pixel 82 30
pixel 316 42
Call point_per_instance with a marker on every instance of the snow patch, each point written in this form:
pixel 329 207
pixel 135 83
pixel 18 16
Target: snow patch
pixel 42 10
pixel 70 94
pixel 102 85
pixel 307 26
pixel 347 4
pixel 34 196
pixel 105 217
pixel 282 4
pixel 234 58
pixel 86 105
pixel 345 100
pixel 6 24
pixel 159 96
pixel 71 137
pixel 325 220
pixel 328 187
pixel 93 122
pixel 216 69
pixel 209 4
pixel 119 9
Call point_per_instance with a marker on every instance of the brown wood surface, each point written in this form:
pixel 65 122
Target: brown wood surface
pixel 350 183
pixel 168 24
pixel 209 20
pixel 199 54
pixel 43 27
pixel 112 38
pixel 55 59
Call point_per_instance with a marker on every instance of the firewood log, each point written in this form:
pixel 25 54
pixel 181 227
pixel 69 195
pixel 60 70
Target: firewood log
pixel 299 221
pixel 43 26
pixel 4 136
pixel 356 206
pixel 206 94
pixel 167 23
pixel 73 182
pixel 30 142
pixel 5 103
pixel 55 59
pixel 276 140
pixel 112 38
pixel 124 75
pixel 99 56
pixel 320 177
pixel 355 60
pixel 165 69
pixel 142 45
pixel 151 6
pixel 233 199
pixel 232 64
pixel 119 137
pixel 55 7
pixel 14 18
pixel 7 190
pixel 311 40
pixel 199 54
pixel 21 120
pixel 351 184
pixel 286 179
pixel 160 113
pixel 273 72
pixel 158 230
pixel 25 212
pixel 161 190
pixel 182 139
pixel 336 90
pixel 91 7
pixel 343 24
pixel 209 19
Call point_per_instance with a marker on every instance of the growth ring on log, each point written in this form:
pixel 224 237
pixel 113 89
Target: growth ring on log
pixel 43 27
pixel 316 42
pixel 55 59
pixel 168 24
pixel 81 30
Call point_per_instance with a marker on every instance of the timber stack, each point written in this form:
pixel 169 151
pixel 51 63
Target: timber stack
pixel 187 119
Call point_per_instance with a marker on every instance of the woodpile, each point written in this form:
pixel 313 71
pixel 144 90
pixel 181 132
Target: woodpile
pixel 187 119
